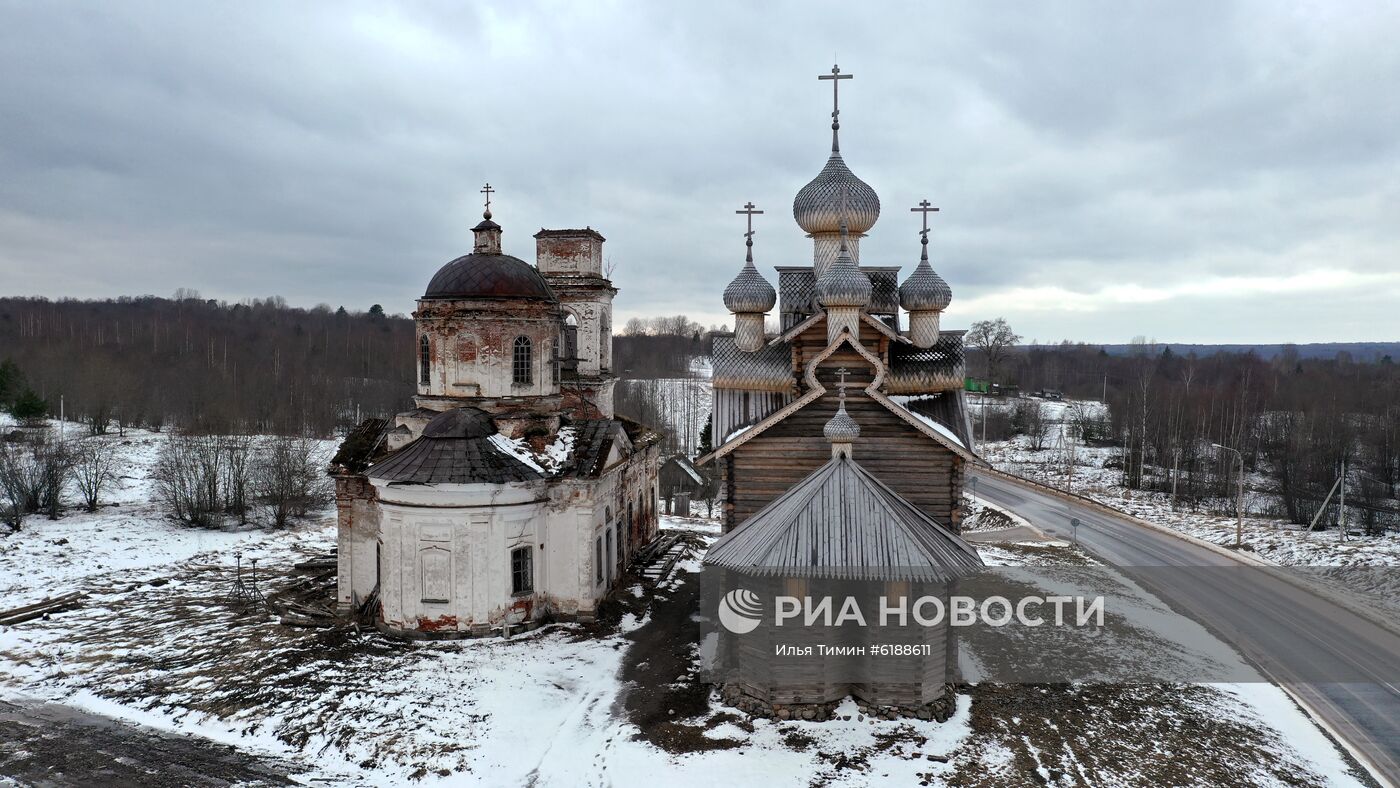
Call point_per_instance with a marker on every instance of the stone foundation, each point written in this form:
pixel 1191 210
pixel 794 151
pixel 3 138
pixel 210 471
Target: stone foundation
pixel 939 710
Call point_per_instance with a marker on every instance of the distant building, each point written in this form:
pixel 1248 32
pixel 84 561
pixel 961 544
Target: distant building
pixel 510 492
pixel 679 476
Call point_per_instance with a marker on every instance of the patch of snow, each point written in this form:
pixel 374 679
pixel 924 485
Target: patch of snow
pixel 517 448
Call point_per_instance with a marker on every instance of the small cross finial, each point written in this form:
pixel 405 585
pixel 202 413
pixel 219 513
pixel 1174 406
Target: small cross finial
pixel 835 76
pixel 925 208
pixel 841 387
pixel 487 190
pixel 749 210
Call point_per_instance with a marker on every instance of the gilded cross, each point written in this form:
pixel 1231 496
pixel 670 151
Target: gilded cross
pixel 835 76
pixel 925 208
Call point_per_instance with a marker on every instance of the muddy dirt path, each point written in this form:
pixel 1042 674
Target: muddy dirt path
pixel 45 744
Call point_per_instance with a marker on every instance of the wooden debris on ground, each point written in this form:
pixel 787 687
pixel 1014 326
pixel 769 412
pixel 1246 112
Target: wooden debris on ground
pixel 24 613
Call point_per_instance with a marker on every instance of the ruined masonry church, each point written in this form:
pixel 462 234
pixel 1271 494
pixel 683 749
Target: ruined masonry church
pixel 511 493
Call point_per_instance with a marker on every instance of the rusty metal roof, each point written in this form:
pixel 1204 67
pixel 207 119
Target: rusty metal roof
pixel 452 460
pixel 842 522
pixel 483 275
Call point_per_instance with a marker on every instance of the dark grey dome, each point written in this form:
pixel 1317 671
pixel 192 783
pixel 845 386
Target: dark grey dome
pixel 749 293
pixel 484 275
pixel 460 423
pixel 817 207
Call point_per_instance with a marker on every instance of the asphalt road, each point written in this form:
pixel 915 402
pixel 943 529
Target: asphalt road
pixel 1279 628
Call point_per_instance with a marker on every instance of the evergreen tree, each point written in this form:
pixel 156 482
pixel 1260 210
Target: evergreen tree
pixel 29 406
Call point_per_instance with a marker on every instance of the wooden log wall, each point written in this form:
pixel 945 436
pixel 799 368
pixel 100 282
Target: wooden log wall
pixel 923 471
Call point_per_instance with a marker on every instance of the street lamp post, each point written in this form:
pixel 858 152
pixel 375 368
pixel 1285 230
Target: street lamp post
pixel 1239 500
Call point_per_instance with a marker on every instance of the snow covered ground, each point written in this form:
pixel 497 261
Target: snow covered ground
pixel 1272 539
pixel 160 641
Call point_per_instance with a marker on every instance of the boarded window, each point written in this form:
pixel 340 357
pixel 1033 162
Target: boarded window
pixel 598 561
pixel 424 360
pixel 434 567
pixel 522 362
pixel 522 570
pixel 607 551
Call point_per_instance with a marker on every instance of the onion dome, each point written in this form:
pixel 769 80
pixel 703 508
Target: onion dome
pixel 843 283
pixel 749 293
pixel 817 207
pixel 924 290
pixel 842 428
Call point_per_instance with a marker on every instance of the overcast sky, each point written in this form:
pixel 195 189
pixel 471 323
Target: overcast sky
pixel 1193 172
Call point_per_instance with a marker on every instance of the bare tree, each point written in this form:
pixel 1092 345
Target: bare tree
pixel 995 339
pixel 289 479
pixel 12 484
pixel 94 469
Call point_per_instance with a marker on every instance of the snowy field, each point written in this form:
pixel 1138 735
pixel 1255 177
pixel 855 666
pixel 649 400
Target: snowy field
pixel 159 641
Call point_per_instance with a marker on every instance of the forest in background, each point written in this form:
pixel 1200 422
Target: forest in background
pixel 259 366
pixel 1296 421
pixel 263 367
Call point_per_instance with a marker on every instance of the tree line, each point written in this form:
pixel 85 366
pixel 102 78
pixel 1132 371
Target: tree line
pixel 1296 423
pixel 259 366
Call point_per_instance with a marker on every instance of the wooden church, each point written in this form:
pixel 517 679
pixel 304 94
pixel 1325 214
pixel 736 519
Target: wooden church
pixel 801 505
pixel 773 394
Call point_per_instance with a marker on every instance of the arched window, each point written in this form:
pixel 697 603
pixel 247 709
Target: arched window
pixel 569 352
pixel 522 362
pixel 424 360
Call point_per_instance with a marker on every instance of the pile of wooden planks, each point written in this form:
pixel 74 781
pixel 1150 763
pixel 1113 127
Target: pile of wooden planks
pixel 20 615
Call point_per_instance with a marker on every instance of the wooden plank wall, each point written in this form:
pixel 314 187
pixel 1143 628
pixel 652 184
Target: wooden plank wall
pixel 926 473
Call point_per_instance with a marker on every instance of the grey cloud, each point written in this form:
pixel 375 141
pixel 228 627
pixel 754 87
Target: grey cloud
pixel 333 152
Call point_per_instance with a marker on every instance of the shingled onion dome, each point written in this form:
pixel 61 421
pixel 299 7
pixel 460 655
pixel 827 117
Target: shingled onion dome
pixel 817 206
pixel 844 290
pixel 924 295
pixel 841 430
pixel 749 297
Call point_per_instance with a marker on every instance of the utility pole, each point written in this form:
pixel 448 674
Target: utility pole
pixel 1069 469
pixel 1239 500
pixel 1342 506
pixel 1176 465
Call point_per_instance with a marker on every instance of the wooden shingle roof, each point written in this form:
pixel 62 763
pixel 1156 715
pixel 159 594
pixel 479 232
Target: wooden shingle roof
pixel 843 523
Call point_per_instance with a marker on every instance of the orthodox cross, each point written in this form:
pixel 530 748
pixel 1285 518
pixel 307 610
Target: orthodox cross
pixel 487 190
pixel 749 210
pixel 925 208
pixel 835 76
pixel 842 374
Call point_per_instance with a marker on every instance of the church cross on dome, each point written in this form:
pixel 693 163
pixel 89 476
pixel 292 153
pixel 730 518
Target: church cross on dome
pixel 487 190
pixel 835 76
pixel 925 208
pixel 750 211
